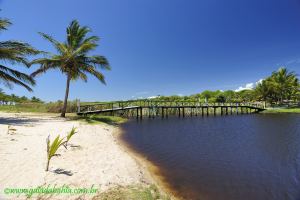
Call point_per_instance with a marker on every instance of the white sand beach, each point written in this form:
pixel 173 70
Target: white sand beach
pixel 93 157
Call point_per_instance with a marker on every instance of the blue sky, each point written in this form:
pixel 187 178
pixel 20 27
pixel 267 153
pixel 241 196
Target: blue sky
pixel 163 47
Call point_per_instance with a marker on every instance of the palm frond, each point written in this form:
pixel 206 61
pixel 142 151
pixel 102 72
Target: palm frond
pixel 84 48
pixel 91 39
pixel 82 76
pixel 16 52
pixel 91 70
pixel 60 47
pixel 21 76
pixel 12 76
pixel 4 23
pixel 45 65
pixel 76 34
pixel 99 61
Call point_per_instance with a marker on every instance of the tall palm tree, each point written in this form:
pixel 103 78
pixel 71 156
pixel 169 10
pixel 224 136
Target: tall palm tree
pixel 72 57
pixel 283 81
pixel 14 52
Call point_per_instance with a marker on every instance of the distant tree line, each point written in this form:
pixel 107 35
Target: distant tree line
pixel 34 104
pixel 6 99
pixel 281 87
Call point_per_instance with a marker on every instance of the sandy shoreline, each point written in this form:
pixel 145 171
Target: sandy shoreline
pixel 94 158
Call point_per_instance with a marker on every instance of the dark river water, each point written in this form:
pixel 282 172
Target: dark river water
pixel 244 157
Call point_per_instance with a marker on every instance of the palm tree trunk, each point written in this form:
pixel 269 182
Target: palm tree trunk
pixel 63 112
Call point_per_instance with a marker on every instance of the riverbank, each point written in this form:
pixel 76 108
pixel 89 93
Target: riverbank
pixel 93 159
pixel 282 110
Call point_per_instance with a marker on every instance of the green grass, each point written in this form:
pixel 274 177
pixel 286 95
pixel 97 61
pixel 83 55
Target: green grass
pixel 37 107
pixel 132 193
pixel 282 110
pixel 100 119
pixel 92 102
pixel 51 107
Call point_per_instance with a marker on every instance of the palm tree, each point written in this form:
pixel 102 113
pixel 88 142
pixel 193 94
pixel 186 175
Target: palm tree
pixel 281 85
pixel 264 90
pixel 295 89
pixel 284 82
pixel 15 52
pixel 72 57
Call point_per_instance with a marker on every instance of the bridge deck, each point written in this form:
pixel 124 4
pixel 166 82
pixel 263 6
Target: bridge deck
pixel 92 109
pixel 107 110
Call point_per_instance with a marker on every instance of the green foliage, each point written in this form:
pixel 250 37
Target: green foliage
pixel 57 142
pixel 217 96
pixel 96 119
pixel 51 107
pixel 56 107
pixel 221 98
pixel 71 133
pixel 36 100
pixel 8 99
pixel 24 107
pixel 282 86
pixel 283 110
pixel 52 148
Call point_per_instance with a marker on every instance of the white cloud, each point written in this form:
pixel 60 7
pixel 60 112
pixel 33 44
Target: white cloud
pixel 259 81
pixel 248 86
pixel 152 97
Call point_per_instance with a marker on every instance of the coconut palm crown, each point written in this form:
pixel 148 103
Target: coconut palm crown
pixel 281 85
pixel 14 52
pixel 73 58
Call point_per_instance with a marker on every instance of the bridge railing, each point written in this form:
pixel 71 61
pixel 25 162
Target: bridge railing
pixel 93 107
pixel 155 103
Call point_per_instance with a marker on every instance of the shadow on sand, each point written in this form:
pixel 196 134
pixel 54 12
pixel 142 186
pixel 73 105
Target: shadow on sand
pixel 62 171
pixel 20 120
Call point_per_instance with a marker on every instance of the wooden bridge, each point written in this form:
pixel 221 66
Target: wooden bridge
pixel 140 108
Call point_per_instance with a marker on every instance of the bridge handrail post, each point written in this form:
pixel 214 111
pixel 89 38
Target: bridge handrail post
pixel 78 105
